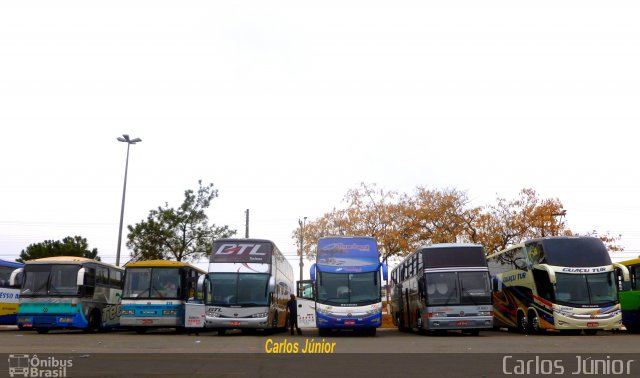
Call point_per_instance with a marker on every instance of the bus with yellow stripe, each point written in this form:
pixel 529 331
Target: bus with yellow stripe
pixel 155 293
pixel 630 297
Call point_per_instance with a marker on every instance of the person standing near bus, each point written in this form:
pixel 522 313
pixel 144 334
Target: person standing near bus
pixel 292 313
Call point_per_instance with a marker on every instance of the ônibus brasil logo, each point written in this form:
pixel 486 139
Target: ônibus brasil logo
pixel 24 365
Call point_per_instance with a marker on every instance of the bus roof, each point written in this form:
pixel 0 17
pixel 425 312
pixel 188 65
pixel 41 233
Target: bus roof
pixel 161 264
pixel 11 264
pixel 68 260
pixel 630 262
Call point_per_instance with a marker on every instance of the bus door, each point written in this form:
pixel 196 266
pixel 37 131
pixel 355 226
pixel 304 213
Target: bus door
pixel 306 304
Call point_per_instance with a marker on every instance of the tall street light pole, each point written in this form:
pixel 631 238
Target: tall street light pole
pixel 124 138
pixel 301 223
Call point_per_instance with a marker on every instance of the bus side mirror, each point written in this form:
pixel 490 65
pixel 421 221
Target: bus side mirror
pixel 494 284
pixel 200 286
pixel 15 280
pixel 272 284
pixel 80 277
pixel 312 272
pixel 385 272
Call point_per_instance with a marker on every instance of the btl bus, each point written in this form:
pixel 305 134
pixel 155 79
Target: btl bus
pixel 69 292
pixel 347 283
pixel 155 293
pixel 442 287
pixel 247 286
pixel 556 283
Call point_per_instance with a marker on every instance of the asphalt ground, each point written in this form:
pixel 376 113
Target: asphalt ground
pixel 390 353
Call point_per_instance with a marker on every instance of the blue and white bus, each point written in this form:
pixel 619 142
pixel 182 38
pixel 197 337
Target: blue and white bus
pixel 347 282
pixel 9 295
pixel 155 293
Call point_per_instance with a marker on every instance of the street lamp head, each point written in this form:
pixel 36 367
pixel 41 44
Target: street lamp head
pixel 125 138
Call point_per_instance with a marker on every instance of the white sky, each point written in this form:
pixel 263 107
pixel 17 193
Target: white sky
pixel 285 105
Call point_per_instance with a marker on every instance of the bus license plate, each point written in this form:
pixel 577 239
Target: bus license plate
pixel 234 323
pixel 593 324
pixel 349 322
pixel 462 323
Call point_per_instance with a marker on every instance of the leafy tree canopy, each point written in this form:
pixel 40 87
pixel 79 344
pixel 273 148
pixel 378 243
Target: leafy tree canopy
pixel 182 233
pixel 69 246
pixel 403 222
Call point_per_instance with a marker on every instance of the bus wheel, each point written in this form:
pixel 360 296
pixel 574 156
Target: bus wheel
pixel 534 324
pixel 221 332
pixel 590 332
pixel 419 321
pixel 275 321
pixel 42 331
pixel 372 332
pixel 323 331
pixel 94 322
pixel 399 322
pixel 523 323
pixel 141 330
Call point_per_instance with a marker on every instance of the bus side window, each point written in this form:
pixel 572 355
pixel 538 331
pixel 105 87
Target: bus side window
pixel 89 281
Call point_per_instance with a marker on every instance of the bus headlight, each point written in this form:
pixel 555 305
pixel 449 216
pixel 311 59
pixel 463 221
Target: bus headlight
pixel 485 313
pixel 65 320
pixel 260 315
pixel 128 312
pixel 170 312
pixel 322 311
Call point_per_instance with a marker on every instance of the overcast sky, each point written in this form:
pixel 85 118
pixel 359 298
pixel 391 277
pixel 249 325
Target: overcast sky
pixel 285 105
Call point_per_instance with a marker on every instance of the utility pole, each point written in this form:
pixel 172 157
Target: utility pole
pixel 301 223
pixel 246 223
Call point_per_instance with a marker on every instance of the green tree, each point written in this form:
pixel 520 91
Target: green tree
pixel 181 234
pixel 69 246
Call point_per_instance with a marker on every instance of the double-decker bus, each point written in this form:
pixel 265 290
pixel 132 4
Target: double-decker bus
pixel 442 287
pixel 9 295
pixel 69 292
pixel 556 283
pixel 155 293
pixel 247 286
pixel 630 297
pixel 347 283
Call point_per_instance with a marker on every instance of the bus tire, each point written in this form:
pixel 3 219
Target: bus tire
pixel 42 331
pixel 399 322
pixel 221 331
pixel 94 322
pixel 323 331
pixel 523 323
pixel 372 332
pixel 533 325
pixel 474 332
pixel 591 332
pixel 141 330
pixel 275 321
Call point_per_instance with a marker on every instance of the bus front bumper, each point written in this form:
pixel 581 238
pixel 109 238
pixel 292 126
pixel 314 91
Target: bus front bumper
pixel 157 321
pixel 230 323
pixel 328 321
pixel 449 323
pixel 75 320
pixel 566 321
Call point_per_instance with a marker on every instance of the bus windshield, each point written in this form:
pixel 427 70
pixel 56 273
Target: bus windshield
pixel 352 288
pixel 56 279
pixel 152 283
pixel 240 289
pixel 586 289
pixel 454 288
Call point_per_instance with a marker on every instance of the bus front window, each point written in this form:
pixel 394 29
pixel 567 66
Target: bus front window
pixel 352 288
pixel 137 283
pixel 64 280
pixel 36 280
pixel 585 290
pixel 475 287
pixel 442 288
pixel 239 289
